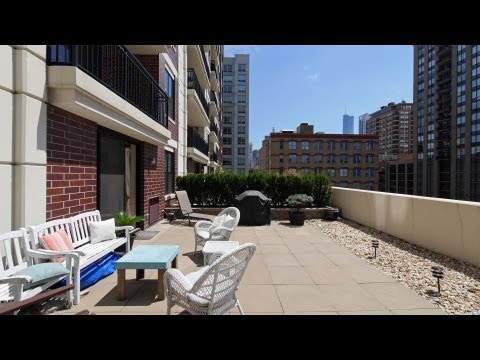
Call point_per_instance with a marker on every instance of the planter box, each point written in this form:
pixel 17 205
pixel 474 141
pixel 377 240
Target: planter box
pixel 297 218
pixel 331 213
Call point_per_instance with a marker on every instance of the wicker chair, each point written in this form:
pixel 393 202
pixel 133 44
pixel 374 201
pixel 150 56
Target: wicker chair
pixel 219 229
pixel 211 290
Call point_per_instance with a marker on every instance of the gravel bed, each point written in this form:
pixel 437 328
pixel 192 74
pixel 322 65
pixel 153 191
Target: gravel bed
pixel 411 265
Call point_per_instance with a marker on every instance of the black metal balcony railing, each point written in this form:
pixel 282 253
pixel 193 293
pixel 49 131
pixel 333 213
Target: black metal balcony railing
pixel 213 157
pixel 194 139
pixel 204 58
pixel 213 97
pixel 119 70
pixel 194 84
pixel 214 127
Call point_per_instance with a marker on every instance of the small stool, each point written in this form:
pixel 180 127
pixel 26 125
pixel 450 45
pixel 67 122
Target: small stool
pixel 214 249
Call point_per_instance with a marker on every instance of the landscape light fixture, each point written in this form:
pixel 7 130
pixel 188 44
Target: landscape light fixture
pixel 437 272
pixel 375 246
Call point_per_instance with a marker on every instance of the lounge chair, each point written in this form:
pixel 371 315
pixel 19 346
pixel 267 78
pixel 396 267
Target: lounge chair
pixel 212 289
pixel 186 208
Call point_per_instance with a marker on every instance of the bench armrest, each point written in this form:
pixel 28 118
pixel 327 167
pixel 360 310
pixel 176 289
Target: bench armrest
pixel 129 228
pixel 16 279
pixel 51 254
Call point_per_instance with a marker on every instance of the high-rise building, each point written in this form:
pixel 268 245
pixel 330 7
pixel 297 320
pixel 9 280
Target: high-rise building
pixel 362 123
pixel 447 121
pixel 347 124
pixel 236 155
pixel 349 160
pixel 105 127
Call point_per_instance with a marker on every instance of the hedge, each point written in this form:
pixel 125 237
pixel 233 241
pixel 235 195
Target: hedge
pixel 220 189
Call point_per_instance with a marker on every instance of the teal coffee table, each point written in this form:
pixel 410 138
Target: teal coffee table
pixel 142 257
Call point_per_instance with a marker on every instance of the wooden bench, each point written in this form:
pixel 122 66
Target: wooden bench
pixel 78 231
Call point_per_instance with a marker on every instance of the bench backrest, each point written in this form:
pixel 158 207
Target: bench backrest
pixel 12 254
pixel 80 229
pixel 49 227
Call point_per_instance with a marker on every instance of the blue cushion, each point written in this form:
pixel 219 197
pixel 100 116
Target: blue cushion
pixel 42 273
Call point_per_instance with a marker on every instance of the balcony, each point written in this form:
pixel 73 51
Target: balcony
pixel 214 76
pixel 197 146
pixel 214 105
pixel 198 62
pixel 214 157
pixel 108 85
pixel 197 104
pixel 213 137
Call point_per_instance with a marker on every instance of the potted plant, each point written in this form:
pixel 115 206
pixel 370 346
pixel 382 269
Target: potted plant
pixel 123 219
pixel 298 201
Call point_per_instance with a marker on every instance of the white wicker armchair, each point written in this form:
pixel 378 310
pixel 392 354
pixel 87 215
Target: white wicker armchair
pixel 219 229
pixel 211 290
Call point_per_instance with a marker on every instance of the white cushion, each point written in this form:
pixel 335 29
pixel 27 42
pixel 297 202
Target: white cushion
pixel 203 234
pixel 102 230
pixel 218 221
pixel 229 222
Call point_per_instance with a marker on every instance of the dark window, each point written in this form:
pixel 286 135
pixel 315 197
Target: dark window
pixel 169 172
pixel 170 90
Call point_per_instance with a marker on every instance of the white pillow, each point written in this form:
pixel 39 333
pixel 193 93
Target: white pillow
pixel 102 230
pixel 218 221
pixel 229 222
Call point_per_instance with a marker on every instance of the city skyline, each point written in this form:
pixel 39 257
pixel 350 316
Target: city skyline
pixel 318 82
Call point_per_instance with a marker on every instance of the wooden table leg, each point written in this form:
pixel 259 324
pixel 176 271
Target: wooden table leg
pixel 174 262
pixel 161 289
pixel 140 274
pixel 121 284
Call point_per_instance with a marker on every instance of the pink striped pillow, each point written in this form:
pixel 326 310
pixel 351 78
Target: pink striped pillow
pixel 57 241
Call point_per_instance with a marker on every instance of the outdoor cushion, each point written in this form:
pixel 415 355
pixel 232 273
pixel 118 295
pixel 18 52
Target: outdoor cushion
pixel 203 234
pixel 102 230
pixel 42 273
pixel 218 221
pixel 57 241
pixel 229 221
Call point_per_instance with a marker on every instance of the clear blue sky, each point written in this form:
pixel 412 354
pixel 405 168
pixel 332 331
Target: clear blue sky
pixel 290 84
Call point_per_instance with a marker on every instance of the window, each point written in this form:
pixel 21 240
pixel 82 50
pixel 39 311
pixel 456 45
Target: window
pixel 227 141
pixel 305 170
pixel 241 119
pixel 292 159
pixel 242 89
pixel 370 185
pixel 227 89
pixel 331 172
pixel 343 172
pixel 356 159
pixel 344 145
pixel 241 151
pixel 305 159
pixel 227 119
pixel 305 145
pixel 227 151
pixel 242 99
pixel 343 184
pixel 370 145
pixel 170 90
pixel 241 129
pixel 281 144
pixel 242 109
pixel 292 145
pixel 318 159
pixel 227 109
pixel 242 78
pixel 356 172
pixel 228 68
pixel 292 170
pixel 356 185
pixel 241 141
pixel 369 172
pixel 318 170
pixel 242 67
pixel 169 172
pixel 343 159
pixel 280 159
pixel 227 162
pixel 331 158
pixel 357 145
pixel 241 162
pixel 331 145
pixel 227 78
pixel 228 99
pixel 318 145
pixel 370 158
pixel 227 130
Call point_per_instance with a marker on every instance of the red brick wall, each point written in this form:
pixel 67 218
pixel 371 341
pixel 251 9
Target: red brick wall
pixel 151 64
pixel 153 179
pixel 190 166
pixel 71 164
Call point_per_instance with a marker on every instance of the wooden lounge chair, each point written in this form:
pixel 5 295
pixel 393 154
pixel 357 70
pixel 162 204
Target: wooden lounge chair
pixel 186 208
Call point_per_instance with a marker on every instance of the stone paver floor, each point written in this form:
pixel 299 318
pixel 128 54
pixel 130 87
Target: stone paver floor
pixel 295 270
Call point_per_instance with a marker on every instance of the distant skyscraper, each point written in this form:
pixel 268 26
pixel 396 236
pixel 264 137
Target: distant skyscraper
pixel 362 123
pixel 236 154
pixel 347 124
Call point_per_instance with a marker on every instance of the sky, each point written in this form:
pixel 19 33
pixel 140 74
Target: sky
pixel 291 84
